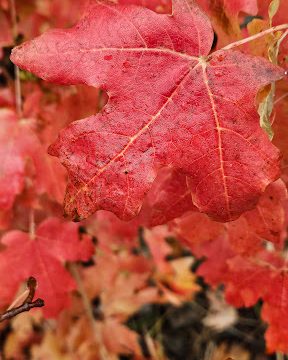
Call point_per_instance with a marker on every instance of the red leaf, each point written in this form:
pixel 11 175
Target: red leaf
pixel 120 281
pixel 276 334
pixel 232 8
pixel 6 38
pixel 18 146
pixel 119 339
pixel 24 164
pixel 246 234
pixel 264 276
pixel 12 159
pixel 196 228
pixel 266 222
pixel 175 275
pixel 157 5
pixel 43 258
pixel 168 198
pixel 247 279
pixel 215 270
pixel 225 17
pixel 168 104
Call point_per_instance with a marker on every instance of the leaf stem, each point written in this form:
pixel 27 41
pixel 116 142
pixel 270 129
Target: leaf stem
pixel 27 304
pixel 280 98
pixel 22 308
pixel 89 312
pixel 18 97
pixel 254 37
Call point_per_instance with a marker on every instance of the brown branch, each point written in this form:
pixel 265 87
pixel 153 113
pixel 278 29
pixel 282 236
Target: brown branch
pixel 27 304
pixel 22 308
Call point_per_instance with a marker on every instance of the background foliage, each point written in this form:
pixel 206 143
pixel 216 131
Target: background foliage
pixel 189 288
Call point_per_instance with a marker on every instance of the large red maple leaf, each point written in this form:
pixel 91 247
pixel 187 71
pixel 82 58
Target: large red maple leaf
pixel 42 257
pixel 169 104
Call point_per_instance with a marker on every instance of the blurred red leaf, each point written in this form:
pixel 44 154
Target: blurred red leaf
pixel 43 258
pixel 246 234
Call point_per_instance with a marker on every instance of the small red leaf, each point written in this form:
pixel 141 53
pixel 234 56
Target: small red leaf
pixel 42 258
pixel 246 234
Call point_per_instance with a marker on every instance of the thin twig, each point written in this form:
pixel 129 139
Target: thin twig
pixel 280 98
pixel 22 308
pixel 80 287
pixel 254 37
pixel 27 304
pixel 88 308
pixel 18 96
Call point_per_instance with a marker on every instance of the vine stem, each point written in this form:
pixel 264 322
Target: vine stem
pixel 18 97
pixel 89 312
pixel 254 37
